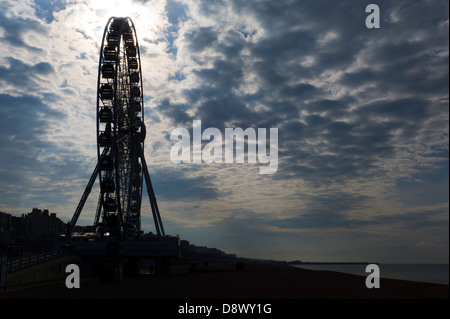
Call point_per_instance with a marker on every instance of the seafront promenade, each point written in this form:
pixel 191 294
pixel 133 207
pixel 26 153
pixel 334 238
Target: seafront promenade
pixel 224 281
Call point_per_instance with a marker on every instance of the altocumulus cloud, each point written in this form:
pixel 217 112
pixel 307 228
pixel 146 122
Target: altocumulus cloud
pixel 362 116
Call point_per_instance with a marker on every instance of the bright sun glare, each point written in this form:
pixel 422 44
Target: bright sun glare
pixel 144 16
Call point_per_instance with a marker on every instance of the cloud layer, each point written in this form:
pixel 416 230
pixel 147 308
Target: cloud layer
pixel 362 116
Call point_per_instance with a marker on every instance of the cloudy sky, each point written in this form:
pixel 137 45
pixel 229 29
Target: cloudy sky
pixel 362 117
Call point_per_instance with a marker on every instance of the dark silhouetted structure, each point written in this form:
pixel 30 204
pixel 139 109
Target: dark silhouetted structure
pixel 121 166
pixel 121 131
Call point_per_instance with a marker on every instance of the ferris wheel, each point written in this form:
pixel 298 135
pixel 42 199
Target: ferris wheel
pixel 121 166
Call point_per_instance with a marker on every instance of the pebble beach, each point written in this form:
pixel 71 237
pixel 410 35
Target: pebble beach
pixel 221 281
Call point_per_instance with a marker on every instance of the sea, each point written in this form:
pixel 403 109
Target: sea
pixel 431 273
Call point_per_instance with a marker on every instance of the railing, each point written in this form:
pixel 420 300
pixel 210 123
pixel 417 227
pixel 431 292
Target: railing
pixel 26 262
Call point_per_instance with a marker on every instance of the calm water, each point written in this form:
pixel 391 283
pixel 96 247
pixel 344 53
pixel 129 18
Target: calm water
pixel 434 273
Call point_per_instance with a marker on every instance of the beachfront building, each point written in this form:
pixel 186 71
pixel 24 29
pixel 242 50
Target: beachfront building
pixel 41 224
